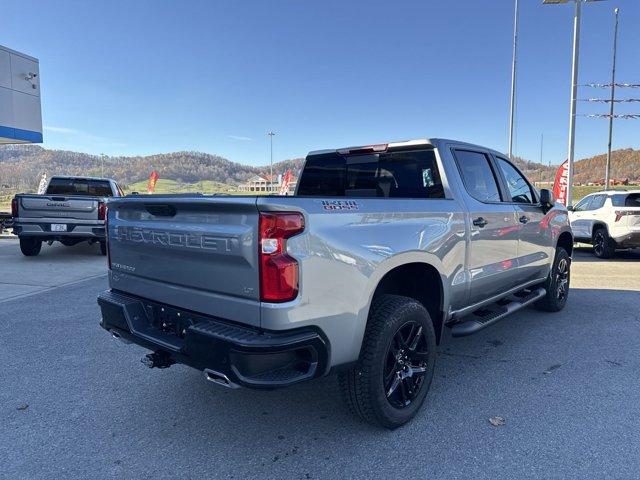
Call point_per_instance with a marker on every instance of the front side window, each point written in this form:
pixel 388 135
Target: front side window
pixel 583 205
pixel 519 189
pixel 597 202
pixel 408 174
pixel 477 175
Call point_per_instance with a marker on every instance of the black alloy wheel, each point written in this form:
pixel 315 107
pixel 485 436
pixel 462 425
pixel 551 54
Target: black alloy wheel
pixel 406 365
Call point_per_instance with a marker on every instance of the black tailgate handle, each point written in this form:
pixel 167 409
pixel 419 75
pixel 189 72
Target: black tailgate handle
pixel 161 210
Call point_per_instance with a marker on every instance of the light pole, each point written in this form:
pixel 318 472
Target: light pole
pixel 512 104
pixel 271 134
pixel 607 173
pixel 574 89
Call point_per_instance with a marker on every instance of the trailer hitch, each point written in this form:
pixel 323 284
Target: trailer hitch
pixel 157 360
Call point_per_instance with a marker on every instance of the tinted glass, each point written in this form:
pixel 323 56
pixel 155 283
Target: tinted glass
pixel 519 188
pixel 478 176
pixel 622 200
pixel 79 186
pixel 412 174
pixel 597 202
pixel 583 204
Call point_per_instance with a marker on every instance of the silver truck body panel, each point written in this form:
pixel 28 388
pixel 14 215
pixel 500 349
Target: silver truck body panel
pixel 347 247
pixel 202 258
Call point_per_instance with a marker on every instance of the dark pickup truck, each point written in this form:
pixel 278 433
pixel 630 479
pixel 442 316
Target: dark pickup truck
pixel 72 210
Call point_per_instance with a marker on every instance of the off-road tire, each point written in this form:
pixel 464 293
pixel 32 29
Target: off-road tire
pixel 363 384
pixel 30 247
pixel 555 285
pixel 603 245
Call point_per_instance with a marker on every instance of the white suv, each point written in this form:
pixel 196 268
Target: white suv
pixel 608 220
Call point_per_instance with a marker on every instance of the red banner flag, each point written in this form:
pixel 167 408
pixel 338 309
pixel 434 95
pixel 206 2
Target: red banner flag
pixel 153 178
pixel 286 181
pixel 561 182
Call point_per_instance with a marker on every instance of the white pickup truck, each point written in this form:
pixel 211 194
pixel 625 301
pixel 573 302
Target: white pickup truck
pixel 72 210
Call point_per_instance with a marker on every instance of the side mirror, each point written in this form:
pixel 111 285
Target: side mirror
pixel 546 199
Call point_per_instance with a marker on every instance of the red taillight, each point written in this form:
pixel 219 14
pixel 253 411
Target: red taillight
pixel 106 235
pixel 14 208
pixel 102 210
pixel 620 214
pixel 278 271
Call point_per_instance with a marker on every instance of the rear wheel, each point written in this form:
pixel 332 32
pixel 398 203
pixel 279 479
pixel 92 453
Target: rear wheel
pixel 603 244
pixel 557 284
pixel 392 377
pixel 30 247
pixel 103 248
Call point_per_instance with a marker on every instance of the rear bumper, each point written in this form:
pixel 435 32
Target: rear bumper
pixel 43 230
pixel 246 356
pixel 628 240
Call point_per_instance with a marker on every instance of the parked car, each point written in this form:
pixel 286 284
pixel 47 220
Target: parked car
pixel 384 252
pixel 72 210
pixel 608 220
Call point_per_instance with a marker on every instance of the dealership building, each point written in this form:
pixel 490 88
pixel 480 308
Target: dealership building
pixel 20 108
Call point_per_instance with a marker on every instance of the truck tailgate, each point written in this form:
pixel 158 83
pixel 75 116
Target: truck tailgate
pixel 52 206
pixel 195 252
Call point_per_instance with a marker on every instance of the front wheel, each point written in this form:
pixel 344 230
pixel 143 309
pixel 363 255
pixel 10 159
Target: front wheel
pixel 30 247
pixel 391 379
pixel 557 284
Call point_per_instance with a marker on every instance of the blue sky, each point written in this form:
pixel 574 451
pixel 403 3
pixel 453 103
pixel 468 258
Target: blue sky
pixel 139 77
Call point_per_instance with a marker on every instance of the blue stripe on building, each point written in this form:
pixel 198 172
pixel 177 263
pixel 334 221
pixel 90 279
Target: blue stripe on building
pixel 19 134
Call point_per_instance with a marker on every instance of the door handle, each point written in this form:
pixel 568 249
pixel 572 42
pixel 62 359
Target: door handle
pixel 480 222
pixel 524 219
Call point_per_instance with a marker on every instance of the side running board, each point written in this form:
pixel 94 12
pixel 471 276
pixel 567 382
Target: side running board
pixel 494 312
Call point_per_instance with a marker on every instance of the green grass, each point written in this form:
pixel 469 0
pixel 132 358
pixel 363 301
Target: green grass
pixel 172 186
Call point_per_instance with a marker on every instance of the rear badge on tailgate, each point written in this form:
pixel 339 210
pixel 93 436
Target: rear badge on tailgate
pixel 339 205
pixel 224 245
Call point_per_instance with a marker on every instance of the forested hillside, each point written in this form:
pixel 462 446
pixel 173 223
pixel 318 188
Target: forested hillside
pixel 21 166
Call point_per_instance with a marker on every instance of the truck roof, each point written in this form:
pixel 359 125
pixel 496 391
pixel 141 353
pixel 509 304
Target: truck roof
pixel 612 192
pixel 82 177
pixel 427 142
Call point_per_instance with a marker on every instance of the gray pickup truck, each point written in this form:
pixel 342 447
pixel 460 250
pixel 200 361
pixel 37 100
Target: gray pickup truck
pixel 71 210
pixel 384 252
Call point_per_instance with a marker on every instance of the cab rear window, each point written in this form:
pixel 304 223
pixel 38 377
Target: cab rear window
pixel 79 186
pixel 403 174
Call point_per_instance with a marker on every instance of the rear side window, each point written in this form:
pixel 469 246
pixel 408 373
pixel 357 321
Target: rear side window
pixel 79 186
pixel 630 200
pixel 408 174
pixel 477 175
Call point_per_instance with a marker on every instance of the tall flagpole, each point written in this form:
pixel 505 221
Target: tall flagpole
pixel 512 105
pixel 607 175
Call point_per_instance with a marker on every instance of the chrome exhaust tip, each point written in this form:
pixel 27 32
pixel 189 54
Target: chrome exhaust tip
pixel 117 336
pixel 219 378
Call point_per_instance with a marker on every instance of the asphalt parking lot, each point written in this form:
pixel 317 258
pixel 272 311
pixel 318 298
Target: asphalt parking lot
pixel 75 403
